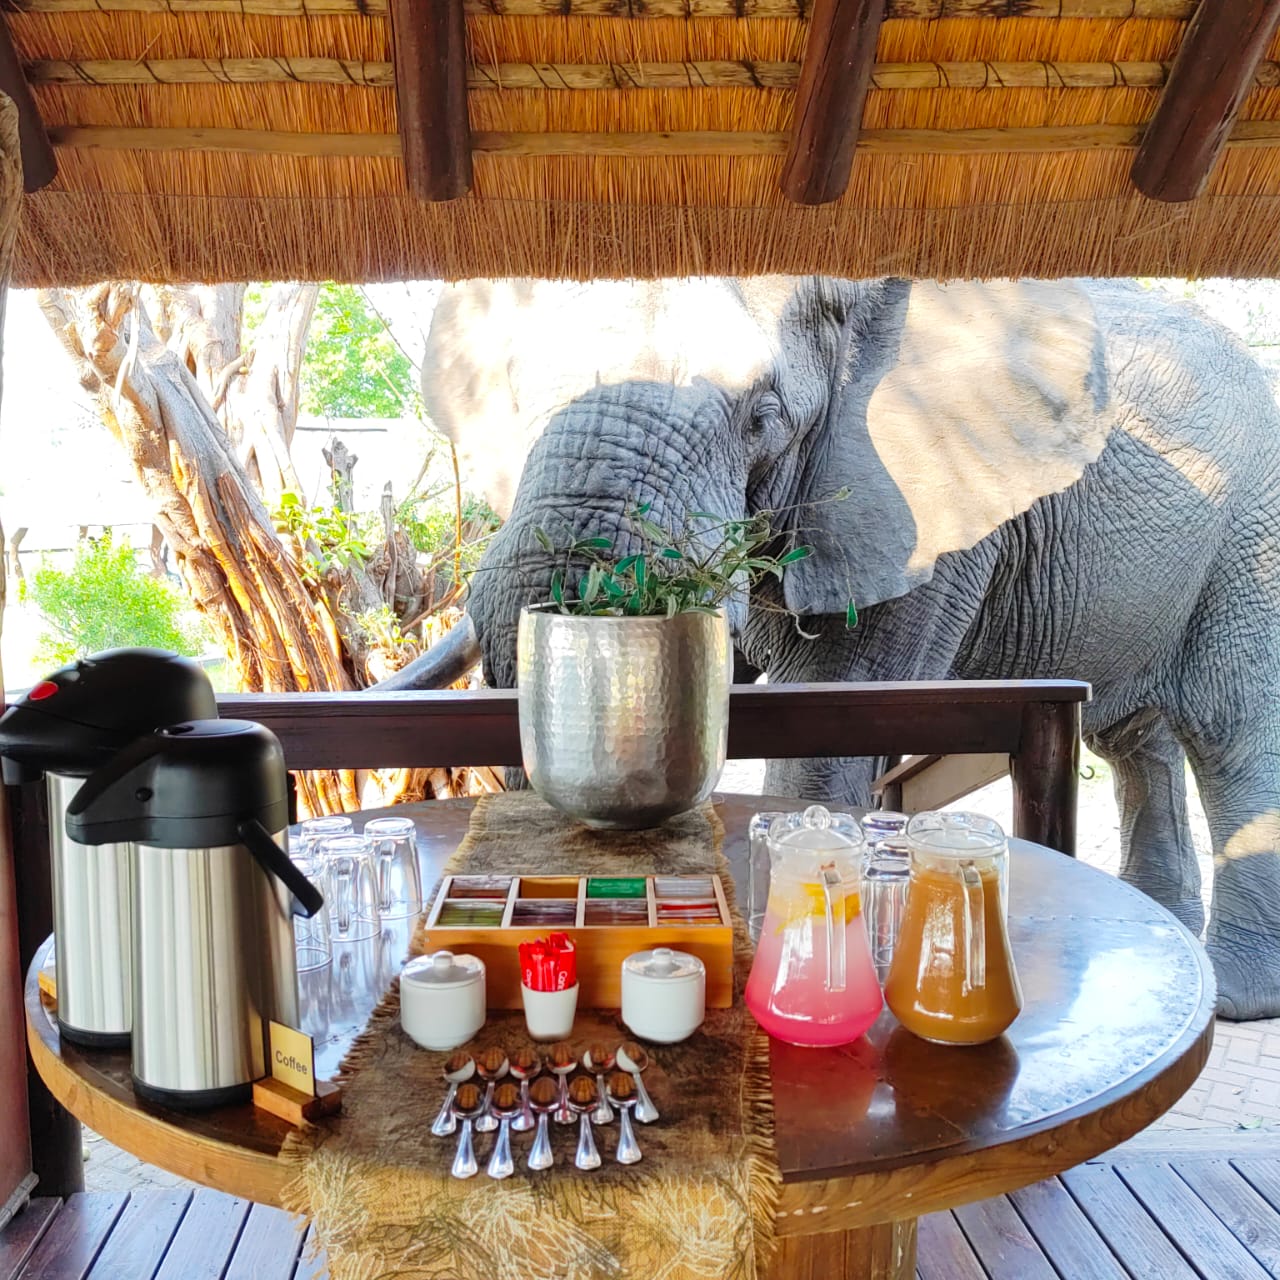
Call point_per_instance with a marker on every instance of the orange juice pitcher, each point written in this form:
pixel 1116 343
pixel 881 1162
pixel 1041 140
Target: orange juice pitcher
pixel 812 981
pixel 952 979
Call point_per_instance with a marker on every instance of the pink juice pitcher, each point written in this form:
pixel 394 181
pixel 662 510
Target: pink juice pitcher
pixel 813 982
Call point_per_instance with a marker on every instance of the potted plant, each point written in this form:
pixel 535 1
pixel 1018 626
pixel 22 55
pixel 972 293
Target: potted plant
pixel 624 673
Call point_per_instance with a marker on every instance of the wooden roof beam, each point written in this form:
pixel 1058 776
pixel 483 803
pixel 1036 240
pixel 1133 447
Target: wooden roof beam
pixel 429 49
pixel 834 79
pixel 39 165
pixel 1215 67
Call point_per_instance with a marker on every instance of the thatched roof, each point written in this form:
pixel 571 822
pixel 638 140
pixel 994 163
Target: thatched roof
pixel 258 139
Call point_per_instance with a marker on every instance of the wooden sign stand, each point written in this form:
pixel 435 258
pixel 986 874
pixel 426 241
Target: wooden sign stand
pixel 292 1091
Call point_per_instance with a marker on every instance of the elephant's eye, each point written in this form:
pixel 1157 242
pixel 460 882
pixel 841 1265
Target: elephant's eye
pixel 766 413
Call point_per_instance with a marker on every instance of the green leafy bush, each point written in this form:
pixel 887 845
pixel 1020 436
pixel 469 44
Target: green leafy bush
pixel 104 601
pixel 693 569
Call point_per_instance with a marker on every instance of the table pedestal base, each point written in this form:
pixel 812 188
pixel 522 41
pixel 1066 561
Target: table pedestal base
pixel 886 1251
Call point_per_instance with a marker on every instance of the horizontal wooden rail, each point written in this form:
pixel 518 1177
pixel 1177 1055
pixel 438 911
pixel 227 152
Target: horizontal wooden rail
pixel 953 142
pixel 926 10
pixel 371 730
pixel 560 76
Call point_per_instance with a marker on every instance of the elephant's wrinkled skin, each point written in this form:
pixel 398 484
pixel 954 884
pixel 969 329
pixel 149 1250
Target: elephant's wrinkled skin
pixel 1074 480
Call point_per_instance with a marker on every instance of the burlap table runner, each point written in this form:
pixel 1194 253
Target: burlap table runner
pixel 701 1204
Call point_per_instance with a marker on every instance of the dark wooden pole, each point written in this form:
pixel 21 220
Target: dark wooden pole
pixel 1046 775
pixel 56 1152
pixel 1214 69
pixel 834 79
pixel 39 166
pixel 429 46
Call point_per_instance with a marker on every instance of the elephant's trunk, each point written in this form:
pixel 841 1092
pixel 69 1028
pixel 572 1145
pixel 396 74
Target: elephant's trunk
pixel 449 659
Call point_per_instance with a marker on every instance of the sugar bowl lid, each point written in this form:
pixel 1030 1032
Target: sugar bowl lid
pixel 663 965
pixel 443 969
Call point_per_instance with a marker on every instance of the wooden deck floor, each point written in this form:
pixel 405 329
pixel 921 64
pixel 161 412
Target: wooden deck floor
pixel 1178 1219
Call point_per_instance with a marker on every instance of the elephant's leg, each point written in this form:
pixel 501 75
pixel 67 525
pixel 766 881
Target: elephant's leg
pixel 1148 767
pixel 842 780
pixel 1239 779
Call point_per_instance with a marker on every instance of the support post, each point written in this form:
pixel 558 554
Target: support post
pixel 39 166
pixel 1046 775
pixel 56 1151
pixel 834 79
pixel 1214 69
pixel 429 48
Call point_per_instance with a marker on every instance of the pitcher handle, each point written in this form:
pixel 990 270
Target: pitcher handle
pixel 833 901
pixel 975 930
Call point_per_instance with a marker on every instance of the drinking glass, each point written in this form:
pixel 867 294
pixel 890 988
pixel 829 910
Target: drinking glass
pixel 395 844
pixel 758 872
pixel 311 933
pixel 886 873
pixel 315 830
pixel 352 878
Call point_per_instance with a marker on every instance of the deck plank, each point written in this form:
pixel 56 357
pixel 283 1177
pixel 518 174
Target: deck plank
pixel 1069 1240
pixel 1000 1238
pixel 205 1241
pixel 269 1246
pixel 312 1265
pixel 942 1252
pixel 1241 1209
pixel 1207 1243
pixel 141 1237
pixel 1143 1248
pixel 1263 1176
pixel 22 1233
pixel 70 1244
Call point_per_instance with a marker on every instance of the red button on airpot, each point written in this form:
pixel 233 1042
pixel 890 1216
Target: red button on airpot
pixel 45 689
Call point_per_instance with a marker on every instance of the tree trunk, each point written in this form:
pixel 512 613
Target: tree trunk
pixel 239 574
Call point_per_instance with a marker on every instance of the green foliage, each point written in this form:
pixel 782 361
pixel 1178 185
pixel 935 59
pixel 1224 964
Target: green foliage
pixel 430 525
pixel 105 601
pixel 329 536
pixel 352 367
pixel 694 569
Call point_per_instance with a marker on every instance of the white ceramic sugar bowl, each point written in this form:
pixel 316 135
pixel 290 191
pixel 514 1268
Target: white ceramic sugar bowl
pixel 664 994
pixel 442 999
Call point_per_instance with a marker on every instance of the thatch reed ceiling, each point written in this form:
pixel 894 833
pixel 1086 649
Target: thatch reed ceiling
pixel 233 139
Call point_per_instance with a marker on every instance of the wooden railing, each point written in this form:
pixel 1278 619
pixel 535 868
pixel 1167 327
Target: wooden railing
pixel 1036 722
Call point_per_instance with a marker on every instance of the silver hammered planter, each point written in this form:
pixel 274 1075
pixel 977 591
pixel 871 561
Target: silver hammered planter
pixel 624 721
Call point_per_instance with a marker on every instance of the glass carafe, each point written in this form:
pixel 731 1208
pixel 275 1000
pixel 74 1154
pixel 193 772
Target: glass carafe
pixel 812 982
pixel 952 979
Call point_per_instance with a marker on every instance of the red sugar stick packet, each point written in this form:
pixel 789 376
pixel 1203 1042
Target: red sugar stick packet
pixel 549 964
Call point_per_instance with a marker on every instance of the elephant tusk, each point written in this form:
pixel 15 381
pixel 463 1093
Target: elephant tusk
pixel 449 659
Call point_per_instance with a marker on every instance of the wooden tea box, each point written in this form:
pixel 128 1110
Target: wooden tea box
pixel 608 918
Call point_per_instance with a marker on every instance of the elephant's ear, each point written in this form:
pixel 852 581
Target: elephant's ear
pixel 963 404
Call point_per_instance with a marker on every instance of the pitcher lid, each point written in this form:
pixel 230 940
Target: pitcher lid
pixel 815 830
pixel 956 835
pixel 443 969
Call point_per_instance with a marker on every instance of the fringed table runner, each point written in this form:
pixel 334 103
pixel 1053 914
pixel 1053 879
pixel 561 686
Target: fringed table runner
pixel 699 1206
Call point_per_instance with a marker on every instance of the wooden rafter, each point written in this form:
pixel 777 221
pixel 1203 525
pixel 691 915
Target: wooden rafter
pixel 928 10
pixel 559 76
pixel 429 51
pixel 834 79
pixel 639 145
pixel 1215 67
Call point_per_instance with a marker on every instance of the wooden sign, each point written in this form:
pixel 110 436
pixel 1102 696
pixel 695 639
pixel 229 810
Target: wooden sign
pixel 291 1091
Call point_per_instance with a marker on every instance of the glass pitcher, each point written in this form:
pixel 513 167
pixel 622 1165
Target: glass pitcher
pixel 812 982
pixel 952 978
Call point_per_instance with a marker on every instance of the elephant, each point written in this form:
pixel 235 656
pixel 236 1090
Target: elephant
pixel 1045 479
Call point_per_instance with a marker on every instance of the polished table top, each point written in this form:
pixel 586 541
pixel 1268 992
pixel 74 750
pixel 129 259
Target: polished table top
pixel 1117 1023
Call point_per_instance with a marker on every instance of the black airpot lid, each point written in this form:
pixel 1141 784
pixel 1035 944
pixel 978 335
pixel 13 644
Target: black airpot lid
pixel 78 717
pixel 189 786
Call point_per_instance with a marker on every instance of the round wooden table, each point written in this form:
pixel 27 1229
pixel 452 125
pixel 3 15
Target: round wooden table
pixel 1117 1025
